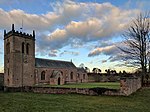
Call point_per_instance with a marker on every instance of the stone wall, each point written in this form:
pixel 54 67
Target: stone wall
pixel 60 90
pixel 84 91
pixel 128 85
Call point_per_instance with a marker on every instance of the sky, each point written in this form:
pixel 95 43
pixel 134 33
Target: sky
pixel 84 31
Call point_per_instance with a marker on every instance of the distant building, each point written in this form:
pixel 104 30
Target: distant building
pixel 21 68
pixel 102 77
pixel 82 75
pixel 94 77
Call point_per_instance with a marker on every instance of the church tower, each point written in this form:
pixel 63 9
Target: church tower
pixel 19 58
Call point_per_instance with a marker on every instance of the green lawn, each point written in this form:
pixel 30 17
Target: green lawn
pixel 31 102
pixel 111 85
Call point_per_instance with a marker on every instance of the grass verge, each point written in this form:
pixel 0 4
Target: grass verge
pixel 111 85
pixel 31 102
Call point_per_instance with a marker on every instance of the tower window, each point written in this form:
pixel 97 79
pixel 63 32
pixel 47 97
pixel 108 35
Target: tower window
pixel 43 75
pixel 8 81
pixel 8 72
pixel 7 48
pixel 27 48
pixel 7 60
pixel 23 47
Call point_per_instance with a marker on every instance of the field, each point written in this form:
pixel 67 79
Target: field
pixel 111 85
pixel 31 102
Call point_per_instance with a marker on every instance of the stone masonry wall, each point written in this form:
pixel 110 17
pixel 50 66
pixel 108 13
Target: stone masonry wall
pixel 60 90
pixel 128 85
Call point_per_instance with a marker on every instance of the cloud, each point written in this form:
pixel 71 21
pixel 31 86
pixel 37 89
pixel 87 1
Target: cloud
pixel 117 57
pixel 61 14
pixel 30 21
pixel 57 35
pixel 53 53
pixel 68 10
pixel 108 50
pixel 84 30
pixel 107 21
pixel 104 61
pixel 70 53
pixel 70 23
pixel 51 42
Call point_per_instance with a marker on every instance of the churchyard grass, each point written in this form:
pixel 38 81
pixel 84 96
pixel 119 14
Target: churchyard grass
pixel 111 85
pixel 32 102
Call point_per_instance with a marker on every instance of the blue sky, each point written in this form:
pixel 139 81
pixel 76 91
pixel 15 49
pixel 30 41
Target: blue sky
pixel 85 31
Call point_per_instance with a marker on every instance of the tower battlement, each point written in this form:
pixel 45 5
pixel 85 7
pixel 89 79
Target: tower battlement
pixel 17 33
pixel 19 58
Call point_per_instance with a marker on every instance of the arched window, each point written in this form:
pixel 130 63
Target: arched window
pixel 22 47
pixel 8 81
pixel 43 75
pixel 7 48
pixel 8 71
pixel 71 75
pixel 27 48
pixel 78 75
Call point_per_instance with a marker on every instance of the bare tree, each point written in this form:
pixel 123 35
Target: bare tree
pixel 137 44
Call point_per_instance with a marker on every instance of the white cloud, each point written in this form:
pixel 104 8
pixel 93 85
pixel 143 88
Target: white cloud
pixel 113 52
pixel 68 10
pixel 104 61
pixel 70 23
pixel 53 53
pixel 30 21
pixel 108 50
pixel 57 35
pixel 107 21
pixel 85 30
pixel 69 52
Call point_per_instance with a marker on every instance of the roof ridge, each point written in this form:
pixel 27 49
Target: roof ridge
pixel 41 62
pixel 53 60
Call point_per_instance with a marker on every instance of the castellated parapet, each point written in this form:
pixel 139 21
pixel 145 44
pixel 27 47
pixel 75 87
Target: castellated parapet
pixel 19 34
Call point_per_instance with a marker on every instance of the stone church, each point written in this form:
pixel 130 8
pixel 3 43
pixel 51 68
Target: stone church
pixel 21 68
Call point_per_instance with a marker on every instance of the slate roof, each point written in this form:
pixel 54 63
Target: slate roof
pixel 81 70
pixel 47 63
